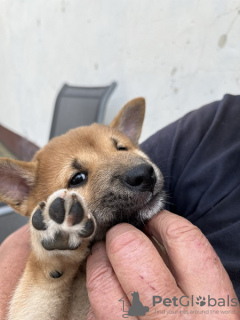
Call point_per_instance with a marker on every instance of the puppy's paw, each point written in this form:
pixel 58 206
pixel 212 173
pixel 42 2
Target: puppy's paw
pixel 63 222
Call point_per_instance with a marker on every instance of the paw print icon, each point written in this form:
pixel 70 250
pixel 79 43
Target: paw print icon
pixel 201 301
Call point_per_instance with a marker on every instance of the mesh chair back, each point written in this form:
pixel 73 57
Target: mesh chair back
pixel 79 106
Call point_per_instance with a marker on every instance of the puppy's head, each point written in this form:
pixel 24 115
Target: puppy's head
pixel 103 163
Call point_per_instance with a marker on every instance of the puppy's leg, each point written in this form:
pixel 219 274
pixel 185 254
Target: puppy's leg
pixel 61 230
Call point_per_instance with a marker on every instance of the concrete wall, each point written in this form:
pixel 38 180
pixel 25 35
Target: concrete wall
pixel 179 54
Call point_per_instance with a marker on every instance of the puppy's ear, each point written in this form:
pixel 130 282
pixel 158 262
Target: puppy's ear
pixel 130 119
pixel 17 178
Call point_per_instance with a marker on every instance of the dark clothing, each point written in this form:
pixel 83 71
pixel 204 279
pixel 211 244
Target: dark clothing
pixel 199 156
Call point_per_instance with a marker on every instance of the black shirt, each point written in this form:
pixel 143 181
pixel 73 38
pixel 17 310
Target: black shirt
pixel 199 156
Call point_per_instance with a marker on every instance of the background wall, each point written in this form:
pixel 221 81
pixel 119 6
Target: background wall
pixel 178 54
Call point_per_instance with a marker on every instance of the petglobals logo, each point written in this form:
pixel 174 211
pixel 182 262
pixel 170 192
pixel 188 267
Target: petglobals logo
pixel 132 305
pixel 186 301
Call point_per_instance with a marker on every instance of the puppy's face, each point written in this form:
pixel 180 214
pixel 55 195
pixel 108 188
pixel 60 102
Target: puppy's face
pixel 104 164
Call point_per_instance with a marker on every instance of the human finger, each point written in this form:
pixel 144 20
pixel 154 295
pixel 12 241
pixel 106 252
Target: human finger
pixel 138 266
pixel 104 289
pixel 14 252
pixel 194 263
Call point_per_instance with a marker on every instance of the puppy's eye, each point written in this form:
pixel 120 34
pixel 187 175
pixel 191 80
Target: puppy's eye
pixel 119 146
pixel 78 179
pixel 122 148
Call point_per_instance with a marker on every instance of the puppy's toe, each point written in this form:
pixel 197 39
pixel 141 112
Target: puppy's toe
pixel 57 210
pixel 38 218
pixel 76 212
pixel 88 229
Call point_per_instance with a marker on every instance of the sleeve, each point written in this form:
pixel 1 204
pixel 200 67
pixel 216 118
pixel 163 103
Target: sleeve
pixel 199 156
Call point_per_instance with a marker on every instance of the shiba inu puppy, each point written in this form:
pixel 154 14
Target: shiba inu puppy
pixel 76 188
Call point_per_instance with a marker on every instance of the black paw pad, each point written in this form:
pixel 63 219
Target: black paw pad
pixel 37 220
pixel 60 242
pixel 57 210
pixel 88 229
pixel 55 274
pixel 76 213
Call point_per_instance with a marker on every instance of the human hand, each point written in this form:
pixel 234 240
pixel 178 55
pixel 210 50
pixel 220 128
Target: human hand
pixel 14 252
pixel 189 272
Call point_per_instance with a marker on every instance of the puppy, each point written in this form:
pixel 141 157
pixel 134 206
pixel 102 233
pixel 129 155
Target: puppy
pixel 76 188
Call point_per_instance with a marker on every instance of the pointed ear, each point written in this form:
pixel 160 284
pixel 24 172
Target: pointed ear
pixel 17 178
pixel 130 119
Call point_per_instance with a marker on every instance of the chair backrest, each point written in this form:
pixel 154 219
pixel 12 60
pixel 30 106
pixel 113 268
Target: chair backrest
pixel 79 106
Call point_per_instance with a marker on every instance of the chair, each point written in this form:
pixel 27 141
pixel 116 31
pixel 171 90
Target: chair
pixel 79 106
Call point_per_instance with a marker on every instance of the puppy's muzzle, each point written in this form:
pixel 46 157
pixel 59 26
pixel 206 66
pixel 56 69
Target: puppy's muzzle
pixel 140 178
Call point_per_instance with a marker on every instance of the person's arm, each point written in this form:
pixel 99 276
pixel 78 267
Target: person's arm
pixel 14 252
pixel 131 263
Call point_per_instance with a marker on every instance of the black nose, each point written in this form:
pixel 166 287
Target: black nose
pixel 141 178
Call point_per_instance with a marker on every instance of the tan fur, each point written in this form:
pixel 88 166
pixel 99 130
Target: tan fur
pixel 38 296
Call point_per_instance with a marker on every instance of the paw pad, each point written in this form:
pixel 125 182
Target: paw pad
pixel 38 220
pixel 59 242
pixel 76 213
pixel 63 221
pixel 88 229
pixel 57 210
